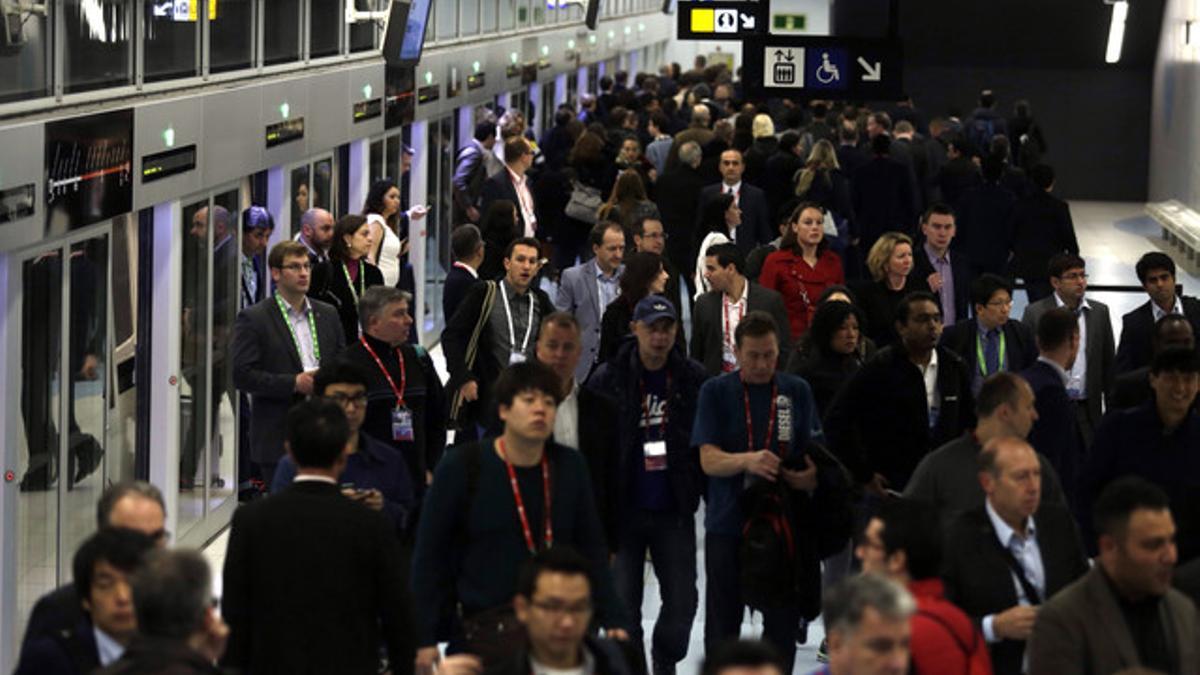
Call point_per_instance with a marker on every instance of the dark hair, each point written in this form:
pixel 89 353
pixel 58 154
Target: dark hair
pixel 1120 498
pixel 522 241
pixel 498 224
pixel 727 254
pixel 1061 262
pixel 527 376
pixel 985 286
pixel 596 235
pixel 515 148
pixel 1166 321
pixel 339 371
pixel 788 141
pixel 288 248
pixel 1154 260
pixel 346 225
pixel 172 591
pixel 819 110
pixel 992 168
pixel 741 654
pixel 375 196
pixel 912 526
pixel 641 269
pixel 257 218
pixel 1175 360
pixel 638 229
pixel 882 119
pixel 1002 388
pixel 827 320
pixel 712 214
pixel 560 319
pixel 848 133
pixel 881 144
pixel 1042 176
pixel 987 98
pixel 485 130
pixel 660 121
pixel 118 491
pixel 120 547
pixel 606 82
pixel 905 306
pixel 837 288
pixel 938 208
pixel 465 240
pixel 561 559
pixel 1056 328
pixel 317 432
pixel 755 324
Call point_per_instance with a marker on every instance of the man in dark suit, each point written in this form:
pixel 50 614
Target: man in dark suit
pixel 677 195
pixel 471 169
pixel 948 274
pixel 1133 388
pixel 959 174
pixel 278 344
pixel 985 213
pixel 313 581
pixel 466 245
pixel 1091 376
pixel 1123 615
pixel 756 225
pixel 991 342
pixel 850 157
pixel 718 311
pixel 883 195
pixel 1042 228
pixel 512 184
pixel 1005 558
pixel 1156 273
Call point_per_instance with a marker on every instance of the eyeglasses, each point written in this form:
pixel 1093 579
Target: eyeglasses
pixel 345 401
pixel 297 267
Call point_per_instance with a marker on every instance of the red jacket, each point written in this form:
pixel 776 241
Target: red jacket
pixel 944 639
pixel 799 284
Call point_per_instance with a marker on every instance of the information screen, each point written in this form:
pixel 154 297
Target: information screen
pixel 414 31
pixel 89 169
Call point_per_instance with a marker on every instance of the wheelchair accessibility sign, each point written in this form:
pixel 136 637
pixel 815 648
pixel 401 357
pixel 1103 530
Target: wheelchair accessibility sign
pixel 784 67
pixel 828 68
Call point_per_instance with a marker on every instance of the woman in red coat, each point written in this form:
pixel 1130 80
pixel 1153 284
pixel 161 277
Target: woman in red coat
pixel 803 267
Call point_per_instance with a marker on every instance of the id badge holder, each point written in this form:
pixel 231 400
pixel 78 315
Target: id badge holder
pixel 515 357
pixel 402 424
pixel 655 455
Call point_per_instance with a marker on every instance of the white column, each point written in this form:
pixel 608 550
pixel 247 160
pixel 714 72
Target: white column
pixel 360 175
pixel 560 90
pixel 10 359
pixel 465 117
pixel 535 97
pixel 581 81
pixel 418 184
pixel 277 204
pixel 165 377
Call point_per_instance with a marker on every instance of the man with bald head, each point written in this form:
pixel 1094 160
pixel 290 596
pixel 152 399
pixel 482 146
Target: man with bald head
pixel 316 233
pixel 1005 558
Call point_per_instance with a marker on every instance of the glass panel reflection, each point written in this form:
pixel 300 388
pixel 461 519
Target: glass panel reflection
pixel 377 168
pixel 121 444
pixel 223 450
pixel 320 194
pixel 325 27
pixel 96 49
pixel 301 195
pixel 203 228
pixel 230 35
pixel 24 66
pixel 170 43
pixel 281 41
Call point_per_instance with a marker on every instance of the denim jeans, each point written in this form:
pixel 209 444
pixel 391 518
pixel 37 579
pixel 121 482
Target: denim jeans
pixel 671 540
pixel 723 604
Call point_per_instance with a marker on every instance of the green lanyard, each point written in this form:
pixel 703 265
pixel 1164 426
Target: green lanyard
pixel 312 329
pixel 979 353
pixel 353 291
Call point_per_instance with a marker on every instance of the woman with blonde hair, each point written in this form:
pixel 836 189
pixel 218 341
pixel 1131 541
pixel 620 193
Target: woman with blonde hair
pixel 627 203
pixel 822 181
pixel 890 263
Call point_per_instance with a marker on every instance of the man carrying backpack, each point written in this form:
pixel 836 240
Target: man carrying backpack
pixel 985 123
pixel 751 427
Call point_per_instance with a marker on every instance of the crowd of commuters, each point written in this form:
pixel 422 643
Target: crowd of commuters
pixel 874 438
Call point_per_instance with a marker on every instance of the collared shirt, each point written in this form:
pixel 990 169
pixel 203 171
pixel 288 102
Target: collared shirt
pixel 525 197
pixel 303 332
pixel 108 649
pixel 464 266
pixel 941 265
pixel 1159 313
pixel 1077 384
pixel 320 255
pixel 735 190
pixel 929 373
pixel 1027 554
pixel 608 285
pixel 502 342
pixel 249 281
pixel 566 419
pixel 587 667
pixel 313 478
pixel 731 316
pixel 1062 373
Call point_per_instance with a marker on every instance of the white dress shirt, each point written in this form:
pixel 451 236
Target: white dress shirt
pixel 1077 383
pixel 108 649
pixel 525 199
pixel 566 419
pixel 1027 554
pixel 1159 313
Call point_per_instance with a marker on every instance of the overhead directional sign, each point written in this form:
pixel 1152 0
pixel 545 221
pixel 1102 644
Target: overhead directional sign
pixel 816 67
pixel 720 20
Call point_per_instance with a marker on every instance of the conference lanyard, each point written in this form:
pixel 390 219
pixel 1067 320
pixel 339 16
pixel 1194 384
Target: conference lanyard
pixel 512 335
pixel 398 391
pixel 770 417
pixel 662 431
pixel 979 353
pixel 516 489
pixel 312 330
pixel 361 281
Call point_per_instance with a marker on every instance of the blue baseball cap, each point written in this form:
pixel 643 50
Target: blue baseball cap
pixel 654 307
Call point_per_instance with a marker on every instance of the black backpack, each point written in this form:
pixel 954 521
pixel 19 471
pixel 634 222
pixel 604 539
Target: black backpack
pixel 980 133
pixel 769 551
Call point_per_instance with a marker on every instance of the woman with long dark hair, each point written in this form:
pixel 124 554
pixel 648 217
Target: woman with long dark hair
pixel 388 248
pixel 343 278
pixel 803 267
pixel 644 275
pixel 628 203
pixel 832 351
pixel 499 226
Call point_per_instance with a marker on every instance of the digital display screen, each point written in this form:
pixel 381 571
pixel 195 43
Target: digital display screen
pixel 285 131
pixel 476 81
pixel 368 110
pixel 164 164
pixel 89 169
pixel 400 100
pixel 428 94
pixel 414 31
pixel 17 203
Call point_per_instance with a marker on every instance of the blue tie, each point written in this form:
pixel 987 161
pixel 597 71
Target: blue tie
pixel 991 351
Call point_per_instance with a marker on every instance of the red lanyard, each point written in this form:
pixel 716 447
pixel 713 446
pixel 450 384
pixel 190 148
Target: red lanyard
pixel 512 479
pixel 727 335
pixel 770 417
pixel 662 433
pixel 399 392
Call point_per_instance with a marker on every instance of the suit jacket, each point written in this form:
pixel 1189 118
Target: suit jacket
pixel 314 582
pixel 329 284
pixel 579 295
pixel 458 282
pixel 499 187
pixel 53 613
pixel 960 267
pixel 677 194
pixel 883 200
pixel 1082 630
pixel 850 158
pixel 70 651
pixel 1101 350
pixel 756 228
pixel 707 322
pixel 1137 333
pixel 1020 344
pixel 980 582
pixel 597 430
pixel 1041 228
pixel 985 227
pixel 265 365
pixel 1055 434
pixel 470 172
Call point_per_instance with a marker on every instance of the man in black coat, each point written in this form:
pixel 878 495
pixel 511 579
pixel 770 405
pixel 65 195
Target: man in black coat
pixel 1007 557
pixel 313 581
pixel 781 169
pixel 985 215
pixel 850 157
pixel 756 225
pixel 1041 228
pixel 991 342
pixel 959 173
pixel 677 195
pixel 278 344
pixel 1133 388
pixel 466 245
pixel 1156 273
pixel 882 422
pixel 883 195
pixel 946 272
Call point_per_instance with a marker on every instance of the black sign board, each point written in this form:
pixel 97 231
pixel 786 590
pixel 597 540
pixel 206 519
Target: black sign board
pixel 163 164
pixel 823 67
pixel 89 168
pixel 543 63
pixel 512 70
pixel 429 94
pixel 17 202
pixel 476 81
pixel 285 132
pixel 720 19
pixel 529 72
pixel 400 99
pixel 368 110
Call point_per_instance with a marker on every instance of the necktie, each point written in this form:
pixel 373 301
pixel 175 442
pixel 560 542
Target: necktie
pixel 991 351
pixel 251 278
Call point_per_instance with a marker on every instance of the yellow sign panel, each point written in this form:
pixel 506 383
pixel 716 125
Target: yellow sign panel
pixel 704 21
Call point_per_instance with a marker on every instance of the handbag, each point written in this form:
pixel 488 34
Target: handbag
pixel 584 203
pixel 494 635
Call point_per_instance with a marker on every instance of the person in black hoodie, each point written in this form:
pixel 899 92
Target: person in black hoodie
pixel 832 351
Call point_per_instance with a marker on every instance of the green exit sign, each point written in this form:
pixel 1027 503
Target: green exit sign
pixel 789 21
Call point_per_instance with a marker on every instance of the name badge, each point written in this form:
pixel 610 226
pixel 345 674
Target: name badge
pixel 402 424
pixel 515 358
pixel 655 455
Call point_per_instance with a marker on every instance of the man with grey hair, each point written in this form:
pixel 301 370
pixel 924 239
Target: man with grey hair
pixel 316 233
pixel 866 621
pixel 405 400
pixel 677 194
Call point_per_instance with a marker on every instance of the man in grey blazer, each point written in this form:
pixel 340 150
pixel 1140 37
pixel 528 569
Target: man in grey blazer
pixel 278 344
pixel 718 311
pixel 1091 378
pixel 1123 614
pixel 586 289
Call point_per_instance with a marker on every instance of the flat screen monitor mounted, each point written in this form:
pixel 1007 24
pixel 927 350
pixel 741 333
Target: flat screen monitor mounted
pixel 413 40
pixel 593 14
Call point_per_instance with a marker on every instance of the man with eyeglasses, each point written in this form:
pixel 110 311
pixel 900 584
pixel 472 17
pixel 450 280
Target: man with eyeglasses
pixel 278 344
pixel 1091 377
pixel 375 474
pixel 992 342
pixel 650 236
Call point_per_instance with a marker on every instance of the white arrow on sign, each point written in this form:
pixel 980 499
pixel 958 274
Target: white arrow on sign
pixel 874 72
pixel 747 21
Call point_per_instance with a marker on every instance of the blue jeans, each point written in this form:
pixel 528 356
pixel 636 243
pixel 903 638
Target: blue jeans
pixel 723 604
pixel 671 540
